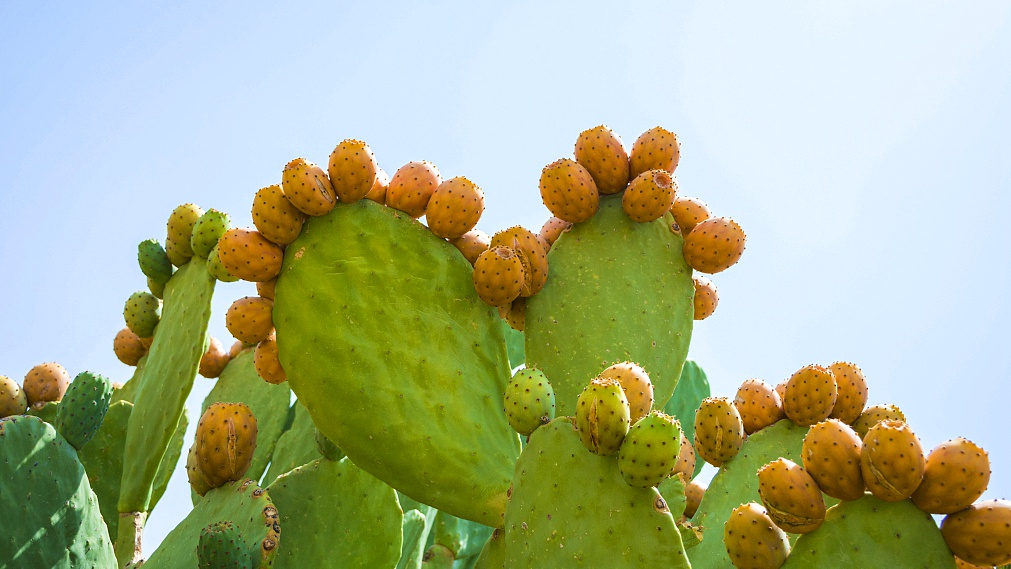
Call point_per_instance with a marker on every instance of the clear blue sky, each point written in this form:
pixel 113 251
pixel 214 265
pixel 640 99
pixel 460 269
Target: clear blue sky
pixel 863 146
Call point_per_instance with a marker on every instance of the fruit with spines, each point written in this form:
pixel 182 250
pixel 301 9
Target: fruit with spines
pixel 221 547
pixel 266 288
pixel 176 254
pixel 156 288
pixel 45 382
pixel 472 244
pixel 249 319
pixel 602 153
pixel 719 431
pixel 791 496
pixel 810 395
pixel 207 230
pixel 875 414
pixel 531 252
pixel 831 455
pixel 693 497
pixel 529 401
pixel 226 439
pixel 236 349
pixel 956 474
pixel 714 245
pixel 307 187
pixel 352 169
pixel 649 196
pixel 981 533
pixel 515 313
pixel 142 313
pixel 553 229
pixel 412 187
pixel 275 217
pixel 83 408
pixel 267 362
pixel 657 148
pixel 180 227
pixel 892 461
pixel 759 405
pixel 685 465
pixel 249 255
pixel 706 297
pixel 195 476
pixel 455 207
pixel 378 191
pixel 154 262
pixel 852 391
pixel 568 191
pixel 650 450
pixel 635 383
pixel 689 212
pixel 498 276
pixel 217 270
pixel 128 347
pixel 753 540
pixel 214 360
pixel 12 398
pixel 602 416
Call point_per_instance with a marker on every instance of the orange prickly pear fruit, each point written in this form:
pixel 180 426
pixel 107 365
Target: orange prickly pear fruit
pixel 516 315
pixel 307 187
pixel 685 466
pixel 250 256
pixel 852 391
pixel 759 405
pixel 753 541
pixel 236 349
pixel 214 360
pixel 693 497
pixel 412 187
pixel 602 153
pixel 706 297
pixel 378 191
pixel 226 439
pixel 981 533
pixel 275 217
pixel 781 389
pixel 194 474
pixel 249 319
pixel 689 212
pixel 892 461
pixel 602 416
pixel 719 431
pixel 875 414
pixel 553 229
pixel 498 276
pixel 472 244
pixel 657 148
pixel 568 191
pixel 956 474
pixel 266 288
pixel 46 382
pixel 811 394
pixel 12 398
pixel 532 254
pixel 267 362
pixel 635 383
pixel 831 455
pixel 352 170
pixel 961 564
pixel 714 245
pixel 128 347
pixel 180 229
pixel 649 196
pixel 455 207
pixel 791 496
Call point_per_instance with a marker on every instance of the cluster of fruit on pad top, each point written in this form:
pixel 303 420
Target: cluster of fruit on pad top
pixel 466 400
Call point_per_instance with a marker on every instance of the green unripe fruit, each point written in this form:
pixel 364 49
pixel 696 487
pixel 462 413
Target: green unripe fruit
pixel 156 288
pixel 12 398
pixel 529 401
pixel 602 416
pixel 180 226
pixel 216 269
pixel 154 262
pixel 650 450
pixel 326 447
pixel 142 313
pixel 221 547
pixel 83 408
pixel 207 230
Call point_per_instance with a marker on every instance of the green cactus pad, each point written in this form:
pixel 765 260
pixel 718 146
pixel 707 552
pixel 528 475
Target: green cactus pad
pixel 438 557
pixel 416 528
pixel 673 491
pixel 296 445
pixel 46 411
pixel 103 460
pixel 52 518
pixel 335 514
pixel 868 532
pixel 386 343
pixel 571 508
pixel 326 447
pixel 492 554
pixel 617 291
pixel 692 388
pixel 207 230
pixel 83 407
pixel 221 547
pixel 245 504
pixel 514 345
pixel 463 538
pixel 154 262
pixel 128 392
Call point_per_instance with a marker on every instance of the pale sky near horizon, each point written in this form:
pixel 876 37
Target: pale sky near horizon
pixel 863 146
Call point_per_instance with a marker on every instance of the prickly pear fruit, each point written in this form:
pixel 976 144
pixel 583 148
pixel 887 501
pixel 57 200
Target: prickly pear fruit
pixel 275 217
pixel 781 389
pixel 811 394
pixel 635 383
pixel 981 533
pixel 156 288
pixel 472 244
pixel 529 401
pixel 249 319
pixel 689 212
pixel 875 414
pixel 568 191
pixel 706 298
pixel 956 474
pixel 791 496
pixel 214 360
pixel 719 431
pixel 831 455
pixel 180 227
pixel 650 450
pixel 532 255
pixel 852 391
pixel 455 207
pixel 685 466
pixel 12 398
pixel 602 153
pixel 962 564
pixel 649 196
pixel 142 313
pixel 226 439
pixel 352 170
pixel 83 408
pixel 516 314
pixel 267 363
pixel 753 541
pixel 602 416
pixel 715 245
pixel 498 276
pixel 198 482
pixel 378 191
pixel 207 230
pixel 154 262
pixel 657 148
pixel 217 270
pixel 693 497
pixel 249 255
pixel 892 461
pixel 412 187
pixel 553 229
pixel 307 187
pixel 128 347
pixel 221 547
pixel 759 405
pixel 176 254
pixel 326 447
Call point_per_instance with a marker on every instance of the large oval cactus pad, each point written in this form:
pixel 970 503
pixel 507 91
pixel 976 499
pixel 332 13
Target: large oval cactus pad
pixel 617 291
pixel 572 508
pixel 399 363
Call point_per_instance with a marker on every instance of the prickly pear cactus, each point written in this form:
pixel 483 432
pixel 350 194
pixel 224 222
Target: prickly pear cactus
pixel 83 408
pixel 296 445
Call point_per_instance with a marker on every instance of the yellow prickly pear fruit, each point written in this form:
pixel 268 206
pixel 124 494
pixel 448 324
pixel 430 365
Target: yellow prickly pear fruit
pixel 752 540
pixel 635 383
pixel 12 398
pixel 266 288
pixel 962 564
pixel 176 254
pixel 719 431
pixel 685 466
pixel 852 391
pixel 706 297
pixel 981 533
pixel 236 349
pixel 602 153
pixel 516 315
pixel 602 416
pixel 693 497
pixel 649 196
pixel 781 389
pixel 553 229
pixel 831 455
pixel 810 396
pixel 532 255
pixel 214 360
pixel 689 212
pixel 128 347
pixel 307 187
pixel 568 191
pixel 378 191
pixel 472 244
pixel 180 229
pixel 892 461
pixel 657 148
pixel 874 415
pixel 46 382
pixel 791 496
pixel 758 404
pixel 194 474
pixel 714 245
pixel 275 217
pixel 455 207
pixel 498 276
pixel 248 255
pixel 352 170
pixel 267 362
pixel 226 439
pixel 412 187
pixel 955 475
pixel 216 269
pixel 249 319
